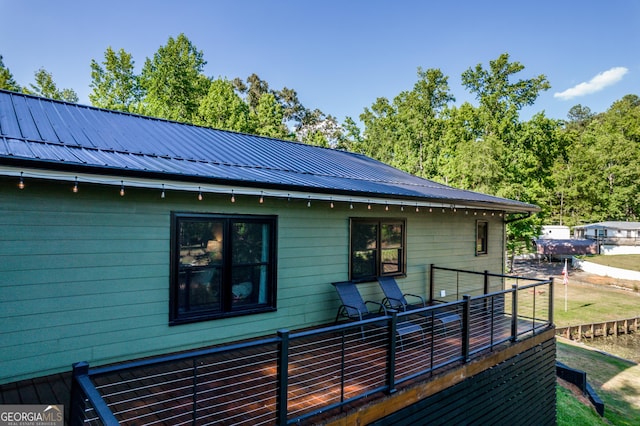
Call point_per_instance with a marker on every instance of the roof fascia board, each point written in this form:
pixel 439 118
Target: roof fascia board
pixel 194 187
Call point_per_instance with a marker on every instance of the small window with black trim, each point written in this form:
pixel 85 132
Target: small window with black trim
pixel 482 232
pixel 221 266
pixel 377 248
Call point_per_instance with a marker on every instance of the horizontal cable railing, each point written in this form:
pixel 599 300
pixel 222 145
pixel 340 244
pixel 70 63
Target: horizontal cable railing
pixel 292 377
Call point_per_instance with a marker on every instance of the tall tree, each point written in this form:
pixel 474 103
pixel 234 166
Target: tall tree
pixel 223 108
pixel 173 81
pixel 515 151
pixel 268 117
pixel 45 86
pixel 500 99
pixel 420 112
pixel 318 129
pixel 407 133
pixel 115 86
pixel 6 78
pixel 350 137
pixel 253 89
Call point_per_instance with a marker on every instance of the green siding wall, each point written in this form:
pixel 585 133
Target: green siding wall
pixel 85 277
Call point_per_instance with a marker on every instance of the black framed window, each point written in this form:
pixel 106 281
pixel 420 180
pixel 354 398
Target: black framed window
pixel 377 248
pixel 482 233
pixel 221 266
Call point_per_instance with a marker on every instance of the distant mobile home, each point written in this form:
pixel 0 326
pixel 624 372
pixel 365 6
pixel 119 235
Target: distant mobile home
pixel 555 232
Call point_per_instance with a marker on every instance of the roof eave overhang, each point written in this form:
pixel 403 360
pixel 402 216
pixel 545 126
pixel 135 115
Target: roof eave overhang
pixel 61 171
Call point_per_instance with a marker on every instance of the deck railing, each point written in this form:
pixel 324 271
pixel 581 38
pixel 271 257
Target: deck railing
pixel 293 376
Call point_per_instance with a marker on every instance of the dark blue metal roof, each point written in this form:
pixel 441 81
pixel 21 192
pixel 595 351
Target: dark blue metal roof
pixel 46 133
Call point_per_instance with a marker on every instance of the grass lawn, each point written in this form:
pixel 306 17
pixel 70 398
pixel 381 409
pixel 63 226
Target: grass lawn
pixel 574 412
pixel 616 381
pixel 587 303
pixel 623 261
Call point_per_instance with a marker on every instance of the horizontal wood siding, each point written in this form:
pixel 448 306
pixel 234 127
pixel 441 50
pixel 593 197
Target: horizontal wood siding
pixel 520 390
pixel 85 277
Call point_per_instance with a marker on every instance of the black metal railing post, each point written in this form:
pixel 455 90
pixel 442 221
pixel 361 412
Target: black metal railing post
pixel 514 313
pixel 432 290
pixel 486 282
pixel 466 324
pixel 282 377
pixel 391 358
pixel 551 285
pixel 76 405
pixel 82 388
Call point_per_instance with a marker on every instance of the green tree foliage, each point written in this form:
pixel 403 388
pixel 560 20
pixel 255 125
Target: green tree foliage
pixel 115 86
pixel 45 86
pixel 173 81
pixel 483 148
pixel 316 128
pixel 268 117
pixel 6 78
pixel 407 133
pixel 600 176
pixel 350 137
pixel 223 108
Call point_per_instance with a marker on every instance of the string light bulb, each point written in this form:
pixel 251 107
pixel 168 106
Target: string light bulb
pixel 369 206
pixel 401 207
pixel 417 208
pixel 386 207
pixel 261 197
pixel 331 204
pixel 199 194
pixel 309 202
pixel 350 205
pixel 75 186
pixel 122 188
pixel 162 193
pixel 21 182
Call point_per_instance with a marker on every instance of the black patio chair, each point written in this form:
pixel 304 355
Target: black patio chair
pixel 396 299
pixel 355 308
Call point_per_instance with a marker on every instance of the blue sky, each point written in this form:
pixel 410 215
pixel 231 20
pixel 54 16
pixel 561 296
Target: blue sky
pixel 342 55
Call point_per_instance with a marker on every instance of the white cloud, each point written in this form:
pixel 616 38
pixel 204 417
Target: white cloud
pixel 597 83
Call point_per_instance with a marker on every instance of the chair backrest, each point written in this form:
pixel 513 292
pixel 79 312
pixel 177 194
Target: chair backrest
pixel 351 298
pixel 392 291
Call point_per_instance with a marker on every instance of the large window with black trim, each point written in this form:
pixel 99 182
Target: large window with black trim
pixel 221 266
pixel 377 248
pixel 482 232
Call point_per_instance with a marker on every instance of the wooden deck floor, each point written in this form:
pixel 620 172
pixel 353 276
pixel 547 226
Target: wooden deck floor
pixel 52 390
pixel 238 387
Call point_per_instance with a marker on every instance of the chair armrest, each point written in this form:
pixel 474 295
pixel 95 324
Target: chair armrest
pixel 381 306
pixel 387 301
pixel 415 295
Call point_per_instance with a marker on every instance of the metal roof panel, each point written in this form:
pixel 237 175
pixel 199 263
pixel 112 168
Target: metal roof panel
pixel 42 129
